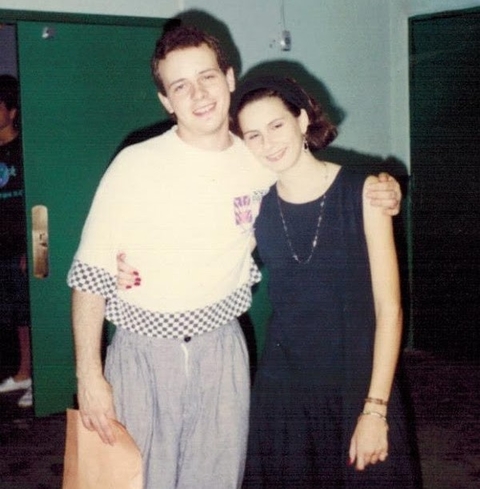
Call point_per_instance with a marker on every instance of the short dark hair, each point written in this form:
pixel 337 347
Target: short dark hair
pixel 320 131
pixel 9 91
pixel 182 37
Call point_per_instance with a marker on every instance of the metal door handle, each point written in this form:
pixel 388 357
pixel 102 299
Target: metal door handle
pixel 40 241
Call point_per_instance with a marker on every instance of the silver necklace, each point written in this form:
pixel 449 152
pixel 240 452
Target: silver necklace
pixel 317 228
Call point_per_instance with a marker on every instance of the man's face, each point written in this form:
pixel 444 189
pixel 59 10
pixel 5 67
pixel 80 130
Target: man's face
pixel 7 116
pixel 197 91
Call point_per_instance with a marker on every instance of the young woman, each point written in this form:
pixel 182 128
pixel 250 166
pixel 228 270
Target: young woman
pixel 325 410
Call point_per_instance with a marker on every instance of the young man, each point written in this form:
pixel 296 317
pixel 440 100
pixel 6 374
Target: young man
pixel 182 207
pixel 14 300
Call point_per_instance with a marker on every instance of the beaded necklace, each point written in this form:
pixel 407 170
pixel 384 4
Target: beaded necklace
pixel 317 228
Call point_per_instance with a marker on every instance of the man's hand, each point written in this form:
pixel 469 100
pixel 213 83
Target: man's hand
pixel 95 396
pixel 95 401
pixel 385 193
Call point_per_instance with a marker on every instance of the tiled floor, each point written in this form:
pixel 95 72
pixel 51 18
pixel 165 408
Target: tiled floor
pixel 446 399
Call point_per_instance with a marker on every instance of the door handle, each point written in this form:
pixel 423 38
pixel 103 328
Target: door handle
pixel 40 241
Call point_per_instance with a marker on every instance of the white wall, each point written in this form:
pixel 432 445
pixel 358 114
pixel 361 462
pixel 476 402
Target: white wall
pixel 338 41
pixel 357 48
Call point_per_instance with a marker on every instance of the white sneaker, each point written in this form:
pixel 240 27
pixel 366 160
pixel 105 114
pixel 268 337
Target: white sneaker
pixel 26 400
pixel 10 385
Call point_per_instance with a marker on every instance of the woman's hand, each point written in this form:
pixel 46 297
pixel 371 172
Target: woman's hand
pixel 127 276
pixel 369 443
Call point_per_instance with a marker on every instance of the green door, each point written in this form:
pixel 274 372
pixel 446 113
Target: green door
pixel 445 114
pixel 85 86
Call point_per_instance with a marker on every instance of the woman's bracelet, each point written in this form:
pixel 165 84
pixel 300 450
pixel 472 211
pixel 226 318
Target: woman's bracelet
pixel 376 400
pixel 375 413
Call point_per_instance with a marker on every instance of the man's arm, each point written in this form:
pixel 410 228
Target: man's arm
pixel 95 397
pixel 386 193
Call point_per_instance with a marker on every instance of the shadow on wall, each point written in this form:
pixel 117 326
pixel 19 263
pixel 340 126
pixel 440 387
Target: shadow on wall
pixel 312 85
pixel 214 26
pixel 368 164
pixel 208 23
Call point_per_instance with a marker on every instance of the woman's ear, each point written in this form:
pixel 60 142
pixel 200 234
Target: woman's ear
pixel 303 121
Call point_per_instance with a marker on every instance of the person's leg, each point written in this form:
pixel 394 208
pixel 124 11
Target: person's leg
pixel 148 380
pixel 185 403
pixel 24 373
pixel 213 445
pixel 21 318
pixel 25 366
pixel 279 448
pixel 16 299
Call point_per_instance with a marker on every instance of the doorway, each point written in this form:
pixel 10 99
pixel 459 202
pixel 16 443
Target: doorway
pixel 445 113
pixel 85 88
pixel 15 340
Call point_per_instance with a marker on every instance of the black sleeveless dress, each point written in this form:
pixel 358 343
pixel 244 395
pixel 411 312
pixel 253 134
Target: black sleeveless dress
pixel 315 370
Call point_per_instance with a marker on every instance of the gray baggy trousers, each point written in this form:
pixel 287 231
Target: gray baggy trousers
pixel 185 402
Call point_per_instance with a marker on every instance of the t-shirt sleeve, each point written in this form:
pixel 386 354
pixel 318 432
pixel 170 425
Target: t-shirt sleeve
pixel 94 265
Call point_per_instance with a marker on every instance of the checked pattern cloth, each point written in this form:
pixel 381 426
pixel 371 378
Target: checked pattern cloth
pixel 173 325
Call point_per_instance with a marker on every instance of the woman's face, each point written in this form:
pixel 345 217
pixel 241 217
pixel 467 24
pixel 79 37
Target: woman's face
pixel 272 133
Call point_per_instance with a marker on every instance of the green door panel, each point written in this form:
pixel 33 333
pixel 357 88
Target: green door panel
pixel 84 88
pixel 445 114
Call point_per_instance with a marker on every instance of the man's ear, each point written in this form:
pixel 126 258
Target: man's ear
pixel 13 114
pixel 230 75
pixel 165 102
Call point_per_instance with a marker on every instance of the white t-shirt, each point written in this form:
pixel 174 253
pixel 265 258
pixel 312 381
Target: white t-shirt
pixel 184 217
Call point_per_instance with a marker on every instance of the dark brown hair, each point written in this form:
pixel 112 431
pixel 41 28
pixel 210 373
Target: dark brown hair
pixel 320 131
pixel 9 91
pixel 182 37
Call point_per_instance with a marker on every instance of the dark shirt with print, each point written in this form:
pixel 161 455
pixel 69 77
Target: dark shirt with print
pixel 12 200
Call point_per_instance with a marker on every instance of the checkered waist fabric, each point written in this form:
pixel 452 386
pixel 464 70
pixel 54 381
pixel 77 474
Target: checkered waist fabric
pixel 155 323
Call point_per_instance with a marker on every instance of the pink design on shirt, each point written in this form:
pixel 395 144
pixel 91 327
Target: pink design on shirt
pixel 243 211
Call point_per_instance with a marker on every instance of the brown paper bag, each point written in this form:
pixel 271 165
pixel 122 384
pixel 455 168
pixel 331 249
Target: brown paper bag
pixel 91 464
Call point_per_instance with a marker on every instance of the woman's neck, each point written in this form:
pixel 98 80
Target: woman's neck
pixel 306 181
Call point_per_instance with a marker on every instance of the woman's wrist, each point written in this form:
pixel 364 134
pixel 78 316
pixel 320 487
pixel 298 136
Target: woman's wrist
pixel 377 400
pixel 374 414
pixel 369 406
pixel 376 404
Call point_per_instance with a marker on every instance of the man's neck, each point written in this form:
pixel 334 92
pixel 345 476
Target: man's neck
pixel 216 141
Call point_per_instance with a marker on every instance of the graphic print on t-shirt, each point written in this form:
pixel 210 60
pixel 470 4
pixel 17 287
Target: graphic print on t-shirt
pixel 5 173
pixel 246 208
